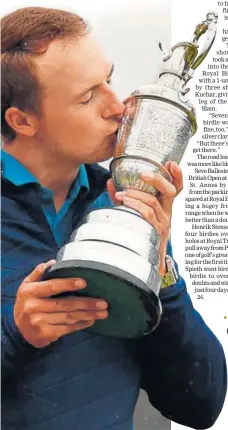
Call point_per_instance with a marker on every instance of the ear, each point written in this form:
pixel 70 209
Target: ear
pixel 22 123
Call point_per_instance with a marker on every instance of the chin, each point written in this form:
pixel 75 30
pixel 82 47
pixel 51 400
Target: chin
pixel 104 159
pixel 106 155
pixel 99 158
pixel 104 152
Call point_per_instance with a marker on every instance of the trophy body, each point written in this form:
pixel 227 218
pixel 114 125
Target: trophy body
pixel 116 250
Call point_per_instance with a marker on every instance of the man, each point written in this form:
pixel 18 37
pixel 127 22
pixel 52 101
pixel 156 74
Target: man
pixel 59 119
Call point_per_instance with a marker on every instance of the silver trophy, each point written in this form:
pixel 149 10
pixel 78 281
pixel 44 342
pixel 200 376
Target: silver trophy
pixel 115 249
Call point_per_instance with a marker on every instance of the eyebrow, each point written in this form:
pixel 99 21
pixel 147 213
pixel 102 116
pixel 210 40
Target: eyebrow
pixel 95 86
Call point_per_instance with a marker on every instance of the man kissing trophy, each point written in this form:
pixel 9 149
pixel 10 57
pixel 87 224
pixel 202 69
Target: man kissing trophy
pixel 115 249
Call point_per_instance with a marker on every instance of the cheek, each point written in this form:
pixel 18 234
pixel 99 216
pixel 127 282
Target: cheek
pixel 83 123
pixel 56 112
pixel 53 119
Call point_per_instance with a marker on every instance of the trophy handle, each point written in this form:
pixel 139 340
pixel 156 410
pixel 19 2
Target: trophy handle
pixel 184 57
pixel 208 26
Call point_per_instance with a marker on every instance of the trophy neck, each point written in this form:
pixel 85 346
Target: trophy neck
pixel 171 80
pixel 176 71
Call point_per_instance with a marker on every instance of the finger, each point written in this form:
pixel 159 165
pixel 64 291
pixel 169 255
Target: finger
pixel 167 165
pixel 38 272
pixel 176 174
pixel 61 330
pixel 58 318
pixel 146 198
pixel 112 190
pixel 54 286
pixel 66 304
pixel 160 183
pixel 146 211
pixel 166 189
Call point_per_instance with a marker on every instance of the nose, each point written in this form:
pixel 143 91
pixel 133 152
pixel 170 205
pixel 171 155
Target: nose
pixel 113 107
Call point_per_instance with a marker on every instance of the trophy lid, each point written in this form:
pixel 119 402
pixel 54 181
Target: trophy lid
pixel 185 57
pixel 180 64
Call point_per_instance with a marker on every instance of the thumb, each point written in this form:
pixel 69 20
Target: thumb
pixel 111 190
pixel 38 272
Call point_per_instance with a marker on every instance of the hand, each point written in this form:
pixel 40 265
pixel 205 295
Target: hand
pixel 156 210
pixel 41 319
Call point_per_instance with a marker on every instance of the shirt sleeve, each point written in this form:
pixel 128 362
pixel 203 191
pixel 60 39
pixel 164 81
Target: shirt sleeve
pixel 15 350
pixel 183 364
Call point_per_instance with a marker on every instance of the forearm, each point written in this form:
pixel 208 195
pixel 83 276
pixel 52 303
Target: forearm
pixel 184 369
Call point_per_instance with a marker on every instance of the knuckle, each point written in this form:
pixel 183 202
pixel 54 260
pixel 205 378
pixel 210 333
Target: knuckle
pixel 150 215
pixel 26 279
pixel 64 305
pixel 154 202
pixel 136 204
pixel 52 286
pixel 23 290
pixel 162 233
pixel 40 267
pixel 61 304
pixel 172 191
pixel 71 317
pixel 42 338
pixel 36 320
pixel 29 307
pixel 38 271
pixel 156 177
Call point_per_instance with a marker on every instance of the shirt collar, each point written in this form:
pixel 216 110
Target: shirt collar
pixel 83 180
pixel 15 172
pixel 19 175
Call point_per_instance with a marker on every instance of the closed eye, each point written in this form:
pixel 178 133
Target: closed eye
pixel 109 82
pixel 88 100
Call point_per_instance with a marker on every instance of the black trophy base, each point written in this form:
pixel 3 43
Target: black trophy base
pixel 134 310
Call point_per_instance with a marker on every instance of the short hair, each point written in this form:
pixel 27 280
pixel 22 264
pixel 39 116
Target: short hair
pixel 25 34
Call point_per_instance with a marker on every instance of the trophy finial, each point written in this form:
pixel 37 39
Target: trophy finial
pixel 209 26
pixel 185 57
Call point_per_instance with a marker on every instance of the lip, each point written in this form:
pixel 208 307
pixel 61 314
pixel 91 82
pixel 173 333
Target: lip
pixel 114 133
